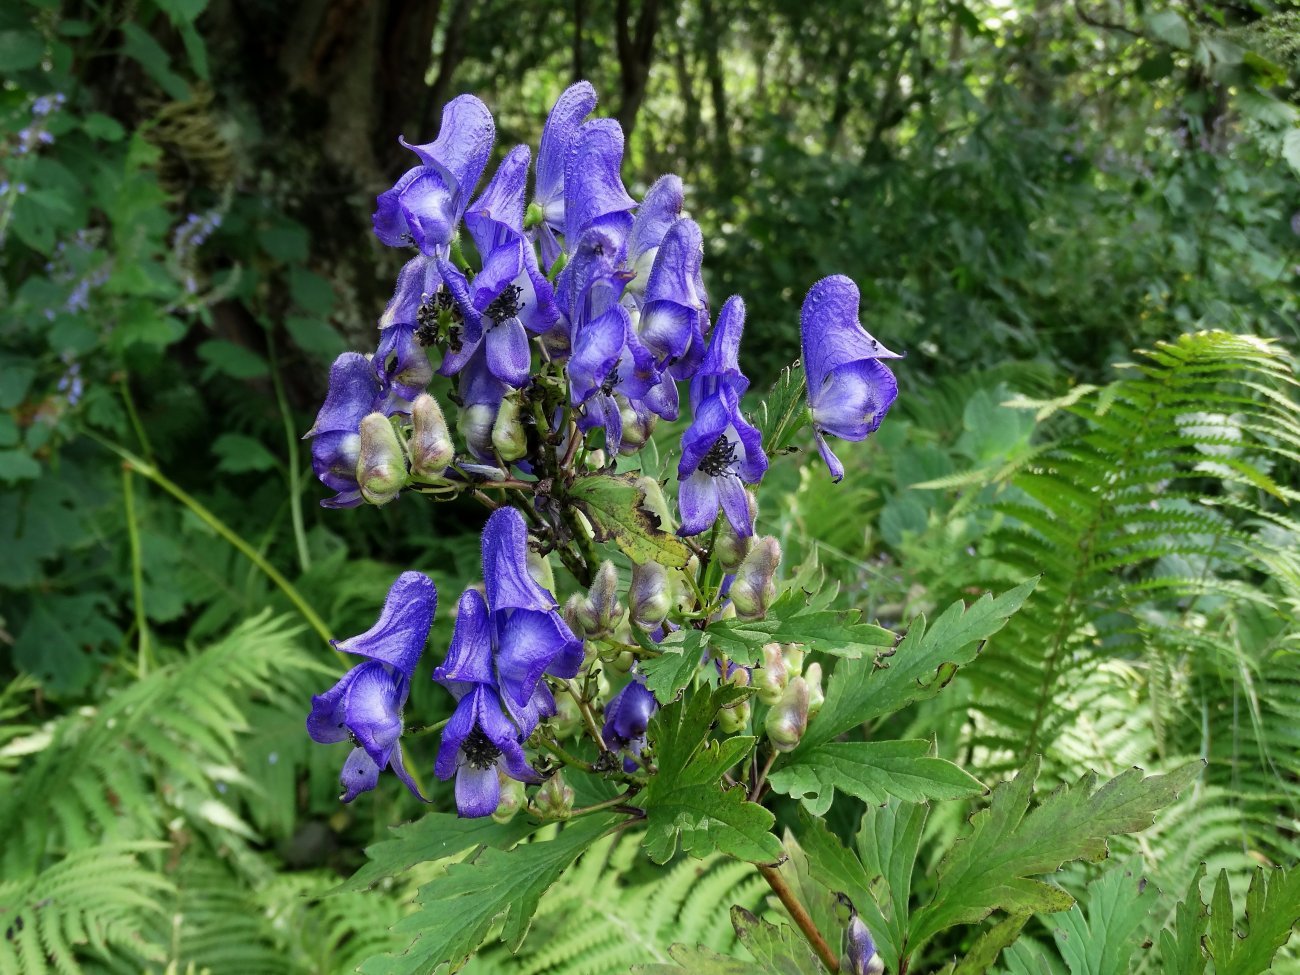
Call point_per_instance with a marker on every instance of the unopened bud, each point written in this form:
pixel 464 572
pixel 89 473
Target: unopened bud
pixel 572 612
pixel 555 798
pixel 539 567
pixel 431 447
pixel 772 676
pixel 730 549
pixel 788 718
pixel 567 719
pixel 602 611
pixel 511 801
pixel 596 459
pixel 755 586
pixel 508 435
pixel 475 426
pixel 381 464
pixel 637 427
pixel 813 676
pixel 735 718
pixel 622 662
pixel 860 956
pixel 651 595
pixel 794 654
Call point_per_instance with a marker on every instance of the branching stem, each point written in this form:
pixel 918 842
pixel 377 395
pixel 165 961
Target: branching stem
pixel 800 916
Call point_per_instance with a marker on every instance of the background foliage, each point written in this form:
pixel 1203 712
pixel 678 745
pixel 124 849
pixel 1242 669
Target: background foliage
pixel 1027 193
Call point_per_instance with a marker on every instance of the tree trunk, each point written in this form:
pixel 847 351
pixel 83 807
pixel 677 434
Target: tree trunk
pixel 635 57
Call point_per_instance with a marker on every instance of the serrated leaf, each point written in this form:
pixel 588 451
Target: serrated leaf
pixel 781 413
pixel 1181 951
pixel 62 640
pixel 233 360
pixel 677 663
pixel 686 801
pixel 1272 911
pixel 993 866
pixel 777 949
pixel 615 506
pixel 983 954
pixel 698 960
pixel 457 910
pixel 434 836
pixel 872 771
pixel 792 619
pixel 1101 941
pixel 860 691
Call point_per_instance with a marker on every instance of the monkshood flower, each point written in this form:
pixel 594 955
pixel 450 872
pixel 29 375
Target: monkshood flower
pixel 510 296
pixel 354 391
pixel 366 705
pixel 675 315
pixel 627 717
pixel 402 365
pixel 849 389
pixel 860 949
pixel 424 207
pixel 479 741
pixel 594 195
pixel 721 450
pixel 558 136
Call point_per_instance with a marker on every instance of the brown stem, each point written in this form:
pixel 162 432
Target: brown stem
pixel 800 916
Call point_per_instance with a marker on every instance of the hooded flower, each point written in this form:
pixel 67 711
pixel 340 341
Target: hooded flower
pixel 501 648
pixel 721 451
pixel 594 195
pixel 354 391
pixel 849 389
pixel 627 717
pixel 425 205
pixel 366 705
pixel 558 137
pixel 675 314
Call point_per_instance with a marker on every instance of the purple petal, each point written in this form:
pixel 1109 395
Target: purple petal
pixel 505 565
pixel 478 387
pixel 327 724
pixel 469 658
pixel 752 461
pixel 462 148
pixel 659 210
pixel 359 774
pixel 662 398
pixel 735 504
pixel 353 392
pixel 373 709
pixel 417 280
pixel 710 422
pixel 478 790
pixel 429 207
pixel 828 455
pixel 509 356
pixel 697 500
pixel 334 459
pixel 593 185
pixel 527 644
pixel 499 212
pixel 398 764
pixel 458 728
pixel 398 638
pixel 854 399
pixel 722 360
pixel 597 347
pixel 829 329
pixel 561 129
pixel 401 361
pixel 389 218
pixel 677 266
pixel 628 715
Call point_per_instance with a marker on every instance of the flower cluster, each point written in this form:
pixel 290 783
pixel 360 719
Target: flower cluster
pixel 564 316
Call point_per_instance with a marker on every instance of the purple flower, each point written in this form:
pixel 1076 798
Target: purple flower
pixel 501 648
pixel 401 365
pixel 860 949
pixel 675 315
pixel 558 137
pixel 849 389
pixel 721 451
pixel 366 705
pixel 594 195
pixel 627 717
pixel 354 391
pixel 425 205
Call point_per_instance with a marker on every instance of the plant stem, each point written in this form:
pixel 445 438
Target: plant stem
pixel 145 654
pixel 800 916
pixel 295 482
pixel 607 804
pixel 556 749
pixel 588 718
pixel 761 781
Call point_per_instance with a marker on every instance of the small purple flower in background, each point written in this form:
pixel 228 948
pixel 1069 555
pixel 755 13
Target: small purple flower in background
pixel 424 207
pixel 627 717
pixel 721 450
pixel 502 647
pixel 70 383
pixel 849 389
pixel 366 705
pixel 558 136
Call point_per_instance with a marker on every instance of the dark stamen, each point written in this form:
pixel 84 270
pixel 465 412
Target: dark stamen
pixel 506 305
pixel 479 750
pixel 720 457
pixel 611 380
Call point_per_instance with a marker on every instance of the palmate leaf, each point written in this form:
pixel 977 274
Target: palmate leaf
pixel 685 799
pixel 993 866
pixel 1272 911
pixel 1102 939
pixel 677 661
pixel 778 949
pixel 872 771
pixel 1181 951
pixel 616 507
pixel 457 910
pixel 792 618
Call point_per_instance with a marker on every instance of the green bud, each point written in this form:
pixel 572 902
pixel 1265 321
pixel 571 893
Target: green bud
pixel 602 611
pixel 508 435
pixel 574 612
pixel 431 447
pixel 787 720
pixel 533 215
pixel 813 675
pixel 735 719
pixel 755 585
pixel 381 463
pixel 475 427
pixel 651 595
pixel 793 653
pixel 622 662
pixel 772 676
pixel 511 801
pixel 539 567
pixel 636 429
pixel 555 798
pixel 730 549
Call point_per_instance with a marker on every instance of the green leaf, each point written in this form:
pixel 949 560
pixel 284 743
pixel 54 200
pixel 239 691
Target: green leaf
pixel 860 691
pixel 778 949
pixel 983 954
pixel 992 867
pixel 872 771
pixel 238 454
pixel 1181 951
pixel 1291 149
pixel 141 46
pixel 315 336
pixel 311 292
pixel 457 910
pixel 791 620
pixel 685 798
pixel 1272 911
pixel 1170 27
pixel 60 642
pixel 1102 941
pixel 233 360
pixel 18 465
pixel 21 49
pixel 781 413
pixel 434 836
pixel 699 960
pixel 615 506
pixel 677 663
pixel 887 843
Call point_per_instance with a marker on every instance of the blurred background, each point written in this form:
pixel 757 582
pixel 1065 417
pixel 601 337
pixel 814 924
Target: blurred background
pixel 1026 191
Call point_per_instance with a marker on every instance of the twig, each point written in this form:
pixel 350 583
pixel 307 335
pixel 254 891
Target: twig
pixel 761 781
pixel 800 916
